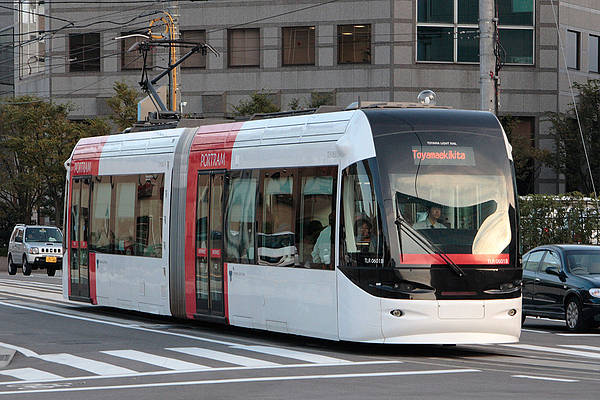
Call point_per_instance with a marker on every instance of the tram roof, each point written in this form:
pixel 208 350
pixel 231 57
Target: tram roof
pixel 388 120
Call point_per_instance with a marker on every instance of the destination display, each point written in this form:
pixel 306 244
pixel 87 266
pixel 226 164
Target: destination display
pixel 442 155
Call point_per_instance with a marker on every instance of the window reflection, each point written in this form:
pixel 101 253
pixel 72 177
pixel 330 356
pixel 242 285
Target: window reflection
pixel 459 213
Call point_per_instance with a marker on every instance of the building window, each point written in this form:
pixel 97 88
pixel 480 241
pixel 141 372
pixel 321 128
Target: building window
pixel 448 30
pixel 354 44
pixel 198 59
pixel 594 55
pixel 132 59
pixel 573 49
pixel 244 47
pixel 299 45
pixel 84 52
pixel 32 47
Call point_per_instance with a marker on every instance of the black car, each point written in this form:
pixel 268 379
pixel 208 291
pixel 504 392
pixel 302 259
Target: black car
pixel 563 282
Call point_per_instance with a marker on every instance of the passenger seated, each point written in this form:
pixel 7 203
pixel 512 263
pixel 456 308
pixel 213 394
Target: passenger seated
pixel 321 253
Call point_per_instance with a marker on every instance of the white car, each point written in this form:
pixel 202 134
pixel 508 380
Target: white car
pixel 34 246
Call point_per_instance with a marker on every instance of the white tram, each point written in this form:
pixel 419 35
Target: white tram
pixel 369 225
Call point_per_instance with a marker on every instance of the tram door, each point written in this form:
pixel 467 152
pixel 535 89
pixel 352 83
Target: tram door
pixel 79 252
pixel 209 244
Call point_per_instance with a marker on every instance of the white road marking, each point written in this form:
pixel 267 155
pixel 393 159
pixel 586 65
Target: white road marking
pixel 95 367
pixel 298 355
pixel 533 331
pixel 581 347
pixel 165 362
pixel 172 372
pixel 246 380
pixel 544 378
pixel 221 356
pixel 579 334
pixel 120 325
pixel 29 374
pixel 553 350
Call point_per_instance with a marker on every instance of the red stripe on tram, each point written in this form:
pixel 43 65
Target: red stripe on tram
pixel 467 259
pixel 92 267
pixel 211 150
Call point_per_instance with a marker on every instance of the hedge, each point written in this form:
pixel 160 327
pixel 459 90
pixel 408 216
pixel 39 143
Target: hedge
pixel 569 218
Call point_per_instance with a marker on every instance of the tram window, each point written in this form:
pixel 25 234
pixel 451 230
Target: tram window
pixel 276 236
pixel 100 218
pixel 362 240
pixel 240 216
pixel 149 206
pixel 123 212
pixel 316 218
pixel 126 214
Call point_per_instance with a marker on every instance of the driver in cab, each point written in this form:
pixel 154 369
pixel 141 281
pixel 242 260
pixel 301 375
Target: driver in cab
pixel 434 212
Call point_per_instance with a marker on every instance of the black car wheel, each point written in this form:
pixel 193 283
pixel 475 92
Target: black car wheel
pixel 12 268
pixel 26 267
pixel 574 316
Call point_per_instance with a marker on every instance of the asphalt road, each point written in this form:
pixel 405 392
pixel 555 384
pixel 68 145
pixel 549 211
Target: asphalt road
pixel 66 350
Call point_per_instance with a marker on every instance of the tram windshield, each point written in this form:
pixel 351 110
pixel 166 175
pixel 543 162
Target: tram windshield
pixel 454 190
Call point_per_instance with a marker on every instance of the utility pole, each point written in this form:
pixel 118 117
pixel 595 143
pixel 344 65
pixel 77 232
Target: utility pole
pixel 487 58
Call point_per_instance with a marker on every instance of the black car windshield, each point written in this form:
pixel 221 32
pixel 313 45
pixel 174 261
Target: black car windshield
pixel 584 262
pixel 50 235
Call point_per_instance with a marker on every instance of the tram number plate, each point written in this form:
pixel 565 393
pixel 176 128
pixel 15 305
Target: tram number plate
pixel 51 259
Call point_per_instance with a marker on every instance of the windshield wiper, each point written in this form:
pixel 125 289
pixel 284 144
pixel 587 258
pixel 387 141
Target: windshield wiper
pixel 426 244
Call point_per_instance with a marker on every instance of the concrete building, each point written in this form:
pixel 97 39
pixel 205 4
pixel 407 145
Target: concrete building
pixel 339 50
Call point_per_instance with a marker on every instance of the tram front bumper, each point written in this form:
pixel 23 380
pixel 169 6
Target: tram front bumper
pixel 451 321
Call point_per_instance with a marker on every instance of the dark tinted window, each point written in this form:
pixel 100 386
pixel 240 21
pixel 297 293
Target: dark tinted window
pixel 584 262
pixel 354 44
pixel 533 262
pixel 84 52
pixel 552 260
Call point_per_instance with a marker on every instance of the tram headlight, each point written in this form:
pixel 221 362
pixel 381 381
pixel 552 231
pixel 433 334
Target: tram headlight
pixel 595 292
pixel 34 250
pixel 512 312
pixel 397 313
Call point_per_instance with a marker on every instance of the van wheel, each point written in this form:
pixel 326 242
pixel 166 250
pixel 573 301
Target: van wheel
pixel 12 268
pixel 26 267
pixel 574 316
pixel 50 271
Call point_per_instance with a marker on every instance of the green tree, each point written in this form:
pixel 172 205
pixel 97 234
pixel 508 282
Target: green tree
pixel 123 105
pixel 318 99
pixel 258 103
pixel 36 138
pixel 570 159
pixel 527 158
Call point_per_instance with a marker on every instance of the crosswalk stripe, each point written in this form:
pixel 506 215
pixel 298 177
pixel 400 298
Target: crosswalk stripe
pixel 225 357
pixel 165 362
pixel 95 367
pixel 581 347
pixel 553 350
pixel 545 378
pixel 287 353
pixel 30 374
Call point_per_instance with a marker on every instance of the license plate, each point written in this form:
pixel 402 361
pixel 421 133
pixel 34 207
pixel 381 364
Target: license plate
pixel 51 259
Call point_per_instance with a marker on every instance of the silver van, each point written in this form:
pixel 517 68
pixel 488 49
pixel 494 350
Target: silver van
pixel 35 246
